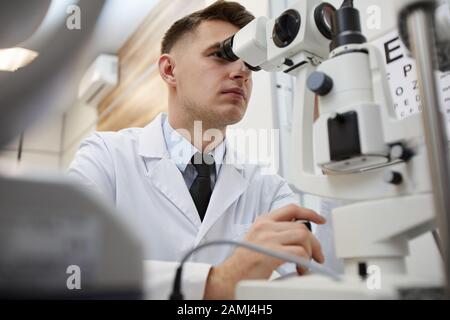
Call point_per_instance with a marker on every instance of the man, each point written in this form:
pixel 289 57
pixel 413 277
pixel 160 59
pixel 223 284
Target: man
pixel 180 188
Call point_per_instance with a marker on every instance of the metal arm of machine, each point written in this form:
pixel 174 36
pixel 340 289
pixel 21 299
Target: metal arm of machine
pixel 420 25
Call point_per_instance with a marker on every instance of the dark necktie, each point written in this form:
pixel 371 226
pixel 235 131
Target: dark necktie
pixel 201 189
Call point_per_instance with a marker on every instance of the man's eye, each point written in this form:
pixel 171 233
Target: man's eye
pixel 217 55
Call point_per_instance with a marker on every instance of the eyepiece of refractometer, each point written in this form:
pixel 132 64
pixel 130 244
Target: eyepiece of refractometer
pixel 319 83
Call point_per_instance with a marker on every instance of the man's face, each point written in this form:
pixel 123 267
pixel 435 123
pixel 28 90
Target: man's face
pixel 208 87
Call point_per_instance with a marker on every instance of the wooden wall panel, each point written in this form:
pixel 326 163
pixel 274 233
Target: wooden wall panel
pixel 141 94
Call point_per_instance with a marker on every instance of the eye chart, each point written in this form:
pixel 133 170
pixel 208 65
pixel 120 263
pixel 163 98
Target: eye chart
pixel 402 75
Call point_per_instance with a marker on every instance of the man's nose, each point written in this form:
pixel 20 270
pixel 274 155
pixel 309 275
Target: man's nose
pixel 240 70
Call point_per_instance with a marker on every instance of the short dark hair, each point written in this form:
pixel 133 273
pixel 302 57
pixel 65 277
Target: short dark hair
pixel 228 11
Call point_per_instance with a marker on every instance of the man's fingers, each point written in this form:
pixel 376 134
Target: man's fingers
pixel 297 251
pixel 283 226
pixel 302 271
pixel 293 212
pixel 316 250
pixel 296 238
pixel 303 239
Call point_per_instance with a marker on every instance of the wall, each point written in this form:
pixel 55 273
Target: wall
pixel 122 21
pixel 141 93
pixel 41 146
pixel 79 122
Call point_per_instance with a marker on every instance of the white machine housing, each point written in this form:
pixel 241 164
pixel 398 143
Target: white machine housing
pixel 352 94
pixel 387 213
pixel 254 44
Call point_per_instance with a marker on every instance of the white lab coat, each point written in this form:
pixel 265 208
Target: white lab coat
pixel 132 168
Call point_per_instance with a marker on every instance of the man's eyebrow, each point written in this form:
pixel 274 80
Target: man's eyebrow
pixel 214 46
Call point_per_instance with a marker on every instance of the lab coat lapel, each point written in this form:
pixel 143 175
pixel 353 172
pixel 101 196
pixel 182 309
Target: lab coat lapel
pixel 166 177
pixel 230 185
pixel 163 173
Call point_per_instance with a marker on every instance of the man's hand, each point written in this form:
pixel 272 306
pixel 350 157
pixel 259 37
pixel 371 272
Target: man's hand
pixel 277 231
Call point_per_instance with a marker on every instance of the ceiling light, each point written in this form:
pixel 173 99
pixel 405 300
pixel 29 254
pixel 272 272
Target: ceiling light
pixel 14 58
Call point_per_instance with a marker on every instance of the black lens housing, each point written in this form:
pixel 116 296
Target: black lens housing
pixel 226 52
pixel 286 28
pixel 346 28
pixel 320 15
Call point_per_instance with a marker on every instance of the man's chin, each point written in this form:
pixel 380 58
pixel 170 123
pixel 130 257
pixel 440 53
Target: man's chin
pixel 232 113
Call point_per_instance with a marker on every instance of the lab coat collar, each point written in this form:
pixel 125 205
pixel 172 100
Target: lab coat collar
pixel 162 171
pixel 165 176
pixel 151 140
pixel 181 150
pixel 153 145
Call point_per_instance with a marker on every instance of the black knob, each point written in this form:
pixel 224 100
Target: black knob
pixel 286 28
pixel 319 83
pixel 362 270
pixel 337 117
pixel 393 177
pixel 400 152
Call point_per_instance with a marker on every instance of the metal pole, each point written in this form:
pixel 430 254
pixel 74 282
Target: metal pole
pixel 422 39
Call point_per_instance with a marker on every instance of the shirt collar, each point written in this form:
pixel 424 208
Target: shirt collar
pixel 181 150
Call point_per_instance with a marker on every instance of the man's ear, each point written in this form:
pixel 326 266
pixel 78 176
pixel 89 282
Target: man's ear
pixel 166 65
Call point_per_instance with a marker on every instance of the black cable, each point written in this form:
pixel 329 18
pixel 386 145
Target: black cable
pixel 178 295
pixel 20 149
